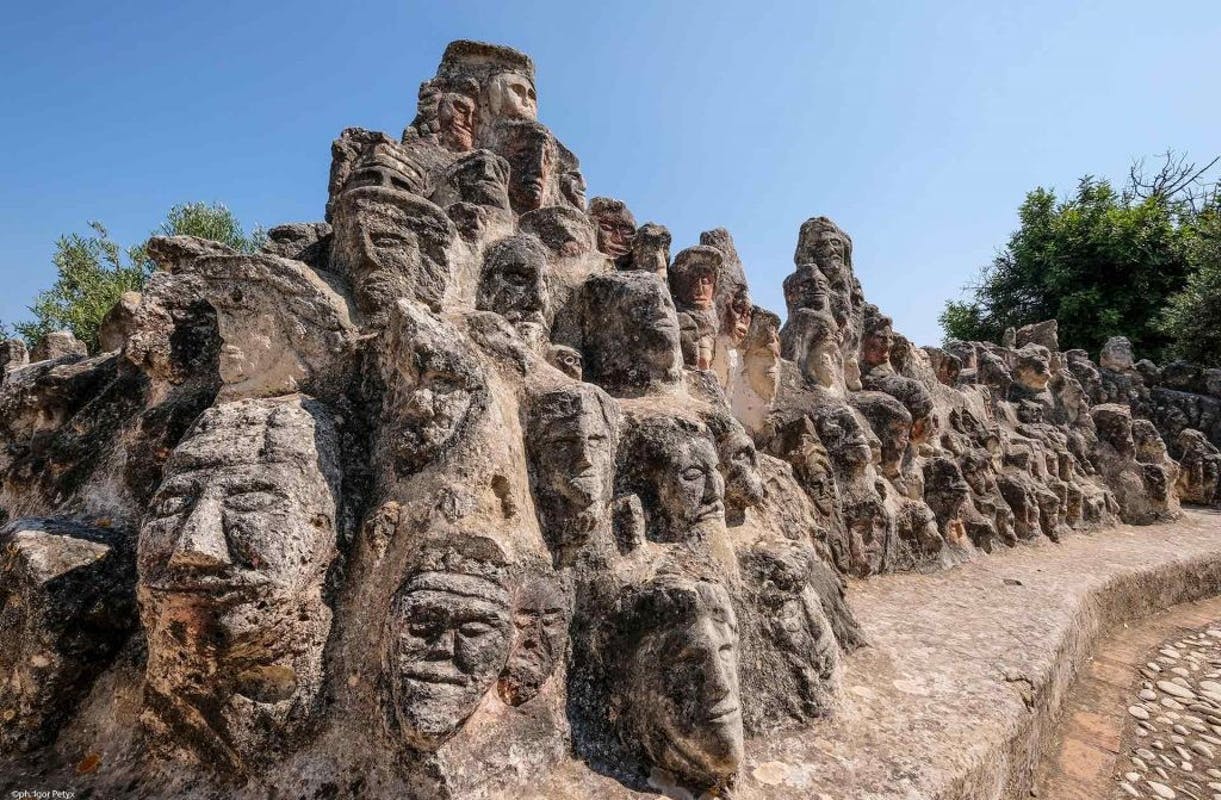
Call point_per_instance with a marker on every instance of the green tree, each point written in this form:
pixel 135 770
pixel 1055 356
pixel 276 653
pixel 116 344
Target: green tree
pixel 1192 317
pixel 1103 262
pixel 92 272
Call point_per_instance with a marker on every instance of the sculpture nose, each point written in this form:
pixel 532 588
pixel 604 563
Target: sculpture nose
pixel 201 539
pixel 441 646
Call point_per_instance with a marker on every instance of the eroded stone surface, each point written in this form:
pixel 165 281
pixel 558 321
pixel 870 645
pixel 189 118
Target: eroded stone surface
pixel 472 487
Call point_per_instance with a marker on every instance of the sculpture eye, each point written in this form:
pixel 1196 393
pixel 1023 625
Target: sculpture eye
pixel 173 505
pixel 387 240
pixel 473 629
pixel 250 501
pixel 692 474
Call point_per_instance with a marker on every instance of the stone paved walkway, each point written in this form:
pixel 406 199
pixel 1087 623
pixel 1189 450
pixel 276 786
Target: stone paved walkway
pixel 967 671
pixel 1116 711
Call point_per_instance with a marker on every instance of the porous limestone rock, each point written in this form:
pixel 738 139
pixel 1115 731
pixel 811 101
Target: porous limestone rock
pixel 472 484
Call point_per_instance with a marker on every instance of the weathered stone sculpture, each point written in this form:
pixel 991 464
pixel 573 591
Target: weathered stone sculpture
pixel 231 563
pixel 469 491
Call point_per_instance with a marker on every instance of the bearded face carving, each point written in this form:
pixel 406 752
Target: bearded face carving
pixel 679 695
pixel 807 288
pixel 392 245
pixel 844 437
pixel 739 465
pixel 231 562
pixel 571 443
pixel 447 638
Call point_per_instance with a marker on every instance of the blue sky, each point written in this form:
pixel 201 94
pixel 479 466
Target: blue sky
pixel 917 126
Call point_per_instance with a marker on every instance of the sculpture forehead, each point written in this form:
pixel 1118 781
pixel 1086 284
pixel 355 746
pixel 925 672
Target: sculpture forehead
pixel 449 586
pixel 570 404
pixel 482 59
pixel 402 207
pixel 256 432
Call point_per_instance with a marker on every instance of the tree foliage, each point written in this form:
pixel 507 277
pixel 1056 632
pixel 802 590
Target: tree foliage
pixel 1103 262
pixel 92 271
pixel 1192 317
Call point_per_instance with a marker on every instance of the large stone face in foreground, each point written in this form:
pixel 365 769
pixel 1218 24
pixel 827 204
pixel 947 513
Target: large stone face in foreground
pixel 472 484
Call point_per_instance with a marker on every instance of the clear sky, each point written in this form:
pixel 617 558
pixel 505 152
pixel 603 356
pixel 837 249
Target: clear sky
pixel 917 126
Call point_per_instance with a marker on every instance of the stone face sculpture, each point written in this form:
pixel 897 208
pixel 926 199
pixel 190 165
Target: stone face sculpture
pixel 630 334
pixel 512 283
pixel 693 281
pixel 67 604
pixel 571 440
pixel 447 638
pixel 231 564
pixel 616 226
pixel 671 464
pixel 680 700
pixel 392 244
pixel 540 618
pixel 392 544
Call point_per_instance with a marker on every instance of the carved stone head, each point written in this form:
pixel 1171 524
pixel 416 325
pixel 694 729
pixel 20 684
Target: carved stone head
pixel 532 153
pixel 671 463
pixel 541 612
pixel 513 281
pixel 1032 370
pixel 651 249
pixel 512 96
pixel 844 437
pixel 878 338
pixel 231 562
pixel 814 341
pixel 679 692
pixel 821 242
pixel 563 230
pixel 761 353
pixel 571 440
pixel 435 388
pixel 447 637
pixel 738 310
pixel 630 333
pixel 448 112
pixel 891 422
pixel 693 276
pixel 616 226
pixel 739 464
pixel 807 288
pixel 282 328
pixel 392 244
pixel 480 178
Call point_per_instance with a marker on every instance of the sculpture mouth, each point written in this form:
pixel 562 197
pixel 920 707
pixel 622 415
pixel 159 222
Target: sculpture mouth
pixel 724 711
pixel 712 511
pixel 213 585
pixel 423 674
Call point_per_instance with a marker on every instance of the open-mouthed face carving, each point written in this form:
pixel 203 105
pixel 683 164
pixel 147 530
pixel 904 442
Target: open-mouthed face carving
pixel 571 445
pixel 512 96
pixel 566 360
pixel 448 636
pixel 682 695
pixel 392 245
pixel 540 621
pixel 513 280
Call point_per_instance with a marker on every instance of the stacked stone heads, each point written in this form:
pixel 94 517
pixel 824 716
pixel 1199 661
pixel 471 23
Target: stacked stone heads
pixel 474 486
